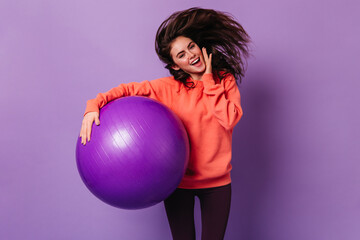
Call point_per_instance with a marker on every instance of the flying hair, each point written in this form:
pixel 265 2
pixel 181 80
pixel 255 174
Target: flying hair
pixel 217 31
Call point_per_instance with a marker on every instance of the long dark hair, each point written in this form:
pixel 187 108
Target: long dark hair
pixel 217 31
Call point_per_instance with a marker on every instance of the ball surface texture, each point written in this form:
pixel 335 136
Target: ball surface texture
pixel 137 156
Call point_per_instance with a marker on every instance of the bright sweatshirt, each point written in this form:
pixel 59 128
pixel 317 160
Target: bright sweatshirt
pixel 209 113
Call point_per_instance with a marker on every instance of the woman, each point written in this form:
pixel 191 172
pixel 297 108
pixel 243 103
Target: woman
pixel 203 92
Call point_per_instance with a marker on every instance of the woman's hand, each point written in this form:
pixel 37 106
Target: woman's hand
pixel 207 59
pixel 86 126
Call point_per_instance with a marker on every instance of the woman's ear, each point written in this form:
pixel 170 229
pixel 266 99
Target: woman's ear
pixel 175 67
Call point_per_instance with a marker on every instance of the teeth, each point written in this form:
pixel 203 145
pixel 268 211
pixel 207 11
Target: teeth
pixel 195 61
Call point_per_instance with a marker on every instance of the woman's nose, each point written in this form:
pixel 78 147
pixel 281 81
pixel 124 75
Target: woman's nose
pixel 191 54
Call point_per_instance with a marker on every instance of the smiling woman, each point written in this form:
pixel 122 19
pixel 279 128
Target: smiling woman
pixel 209 110
pixel 188 57
pixel 219 33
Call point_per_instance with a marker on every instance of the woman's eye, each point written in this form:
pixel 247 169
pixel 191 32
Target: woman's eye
pixel 192 46
pixel 181 55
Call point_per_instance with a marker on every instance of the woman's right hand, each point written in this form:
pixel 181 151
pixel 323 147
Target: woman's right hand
pixel 86 126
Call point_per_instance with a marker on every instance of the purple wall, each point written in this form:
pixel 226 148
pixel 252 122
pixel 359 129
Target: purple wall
pixel 296 151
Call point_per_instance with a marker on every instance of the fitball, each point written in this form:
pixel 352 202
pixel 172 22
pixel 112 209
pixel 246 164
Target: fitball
pixel 137 156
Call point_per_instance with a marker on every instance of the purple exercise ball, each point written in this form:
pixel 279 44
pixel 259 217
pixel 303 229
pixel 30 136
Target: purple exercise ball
pixel 137 156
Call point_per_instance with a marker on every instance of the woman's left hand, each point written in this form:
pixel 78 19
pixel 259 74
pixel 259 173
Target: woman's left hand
pixel 207 59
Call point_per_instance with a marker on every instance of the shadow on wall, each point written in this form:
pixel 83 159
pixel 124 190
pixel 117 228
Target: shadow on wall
pixel 254 155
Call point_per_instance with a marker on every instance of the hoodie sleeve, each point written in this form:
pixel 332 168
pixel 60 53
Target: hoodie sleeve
pixel 145 88
pixel 224 99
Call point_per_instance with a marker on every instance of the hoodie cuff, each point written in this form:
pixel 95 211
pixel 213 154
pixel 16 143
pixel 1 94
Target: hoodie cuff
pixel 91 107
pixel 208 80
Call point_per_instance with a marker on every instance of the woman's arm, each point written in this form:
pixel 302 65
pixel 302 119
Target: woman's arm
pixel 224 98
pixel 144 88
pixel 93 106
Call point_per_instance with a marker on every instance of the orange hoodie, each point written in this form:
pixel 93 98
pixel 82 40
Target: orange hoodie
pixel 209 113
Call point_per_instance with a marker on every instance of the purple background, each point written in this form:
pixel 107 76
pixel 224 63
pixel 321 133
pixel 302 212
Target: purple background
pixel 296 150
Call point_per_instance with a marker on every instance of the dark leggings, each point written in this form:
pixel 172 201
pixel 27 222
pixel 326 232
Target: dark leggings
pixel 215 208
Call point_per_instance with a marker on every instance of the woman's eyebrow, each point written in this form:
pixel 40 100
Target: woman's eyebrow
pixel 183 50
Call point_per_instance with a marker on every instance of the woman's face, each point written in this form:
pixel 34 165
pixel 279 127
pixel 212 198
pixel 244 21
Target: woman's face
pixel 187 56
